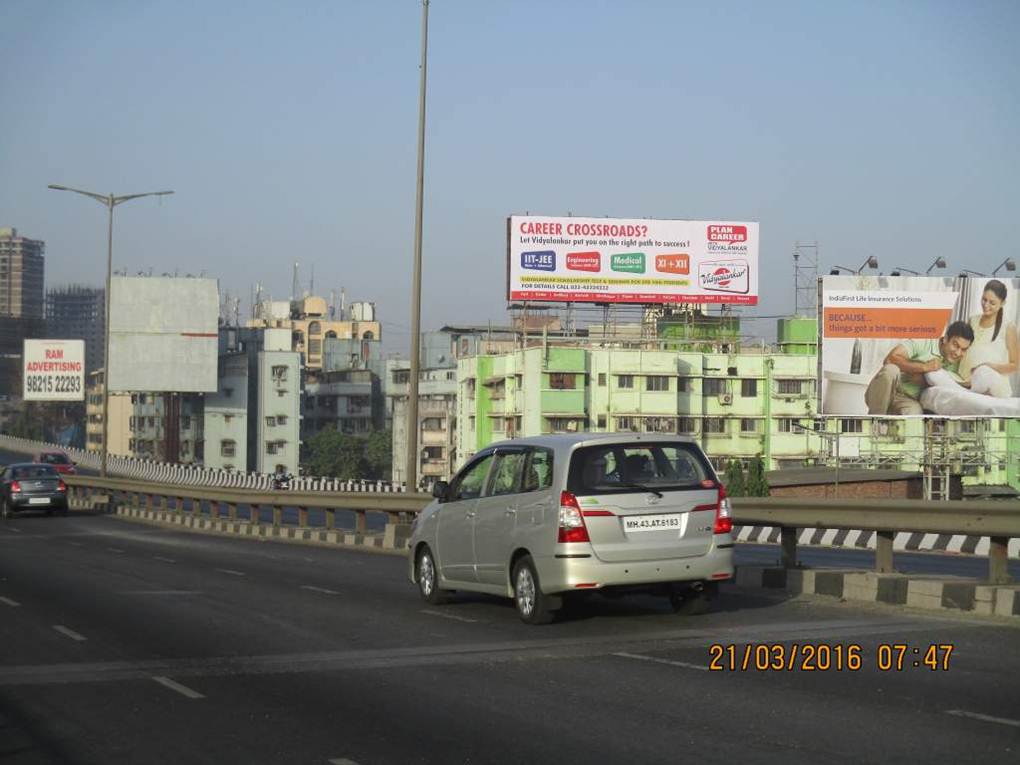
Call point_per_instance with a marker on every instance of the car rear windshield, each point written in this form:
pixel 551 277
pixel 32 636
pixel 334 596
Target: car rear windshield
pixel 623 467
pixel 33 471
pixel 54 459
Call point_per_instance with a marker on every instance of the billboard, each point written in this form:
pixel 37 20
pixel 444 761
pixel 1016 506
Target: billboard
pixel 908 346
pixel 622 260
pixel 163 334
pixel 54 370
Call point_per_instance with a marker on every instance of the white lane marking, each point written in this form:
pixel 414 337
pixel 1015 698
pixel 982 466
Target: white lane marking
pixel 450 616
pixel 342 761
pixel 16 531
pixel 165 560
pixel 69 633
pixel 181 689
pixel 76 544
pixel 683 664
pixel 230 571
pixel 323 590
pixel 9 602
pixel 115 550
pixel 985 718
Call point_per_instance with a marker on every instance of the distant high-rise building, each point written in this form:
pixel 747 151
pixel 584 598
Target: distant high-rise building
pixel 21 275
pixel 78 313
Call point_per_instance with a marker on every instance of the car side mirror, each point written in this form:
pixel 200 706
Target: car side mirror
pixel 440 490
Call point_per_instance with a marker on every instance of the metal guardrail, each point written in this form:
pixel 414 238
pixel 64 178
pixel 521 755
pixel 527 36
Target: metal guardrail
pixel 225 502
pixel 999 521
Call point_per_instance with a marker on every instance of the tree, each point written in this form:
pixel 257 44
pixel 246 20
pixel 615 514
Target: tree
pixel 379 453
pixel 733 479
pixel 757 483
pixel 337 455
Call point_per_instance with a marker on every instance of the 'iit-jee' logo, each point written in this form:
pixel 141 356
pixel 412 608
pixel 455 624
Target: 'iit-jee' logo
pixel 544 260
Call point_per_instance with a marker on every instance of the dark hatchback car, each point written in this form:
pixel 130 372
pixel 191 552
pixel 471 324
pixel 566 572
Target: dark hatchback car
pixel 32 486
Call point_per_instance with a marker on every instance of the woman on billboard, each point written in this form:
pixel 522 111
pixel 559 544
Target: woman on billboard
pixel 995 353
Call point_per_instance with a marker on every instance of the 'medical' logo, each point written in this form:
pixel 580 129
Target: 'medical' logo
pixel 544 260
pixel 631 262
pixel 727 234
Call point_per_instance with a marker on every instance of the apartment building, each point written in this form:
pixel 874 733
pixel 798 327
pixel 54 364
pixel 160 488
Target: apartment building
pixel 77 312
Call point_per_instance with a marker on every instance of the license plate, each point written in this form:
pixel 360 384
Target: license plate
pixel 661 522
pixel 38 500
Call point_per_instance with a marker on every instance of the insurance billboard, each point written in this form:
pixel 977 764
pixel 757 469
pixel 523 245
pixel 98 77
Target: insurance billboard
pixel 163 334
pixel 624 260
pixel 909 346
pixel 54 370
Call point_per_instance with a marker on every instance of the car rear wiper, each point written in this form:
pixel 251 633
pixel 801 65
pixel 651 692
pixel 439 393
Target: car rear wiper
pixel 649 489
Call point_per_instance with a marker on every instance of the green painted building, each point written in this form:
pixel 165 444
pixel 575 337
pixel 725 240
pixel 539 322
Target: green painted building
pixel 737 403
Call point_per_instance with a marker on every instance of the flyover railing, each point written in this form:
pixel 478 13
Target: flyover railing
pixel 999 521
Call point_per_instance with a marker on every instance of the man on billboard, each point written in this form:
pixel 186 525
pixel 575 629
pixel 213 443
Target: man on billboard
pixel 897 387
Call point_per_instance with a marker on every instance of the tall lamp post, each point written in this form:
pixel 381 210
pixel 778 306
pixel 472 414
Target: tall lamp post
pixel 412 391
pixel 109 201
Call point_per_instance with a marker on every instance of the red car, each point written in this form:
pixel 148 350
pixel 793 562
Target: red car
pixel 58 461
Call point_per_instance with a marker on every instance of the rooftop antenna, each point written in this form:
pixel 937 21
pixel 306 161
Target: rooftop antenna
pixel 343 304
pixel 805 278
pixel 295 285
pixel 311 283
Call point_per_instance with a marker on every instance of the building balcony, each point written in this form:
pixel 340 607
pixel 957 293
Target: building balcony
pixel 563 402
pixel 434 438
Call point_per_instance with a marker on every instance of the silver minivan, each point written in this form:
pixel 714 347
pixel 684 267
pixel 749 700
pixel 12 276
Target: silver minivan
pixel 538 519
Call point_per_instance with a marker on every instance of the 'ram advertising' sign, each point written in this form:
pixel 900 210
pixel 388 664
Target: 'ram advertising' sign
pixel 54 370
pixel 611 260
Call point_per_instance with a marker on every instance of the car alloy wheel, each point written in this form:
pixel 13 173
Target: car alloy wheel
pixel 532 605
pixel 428 579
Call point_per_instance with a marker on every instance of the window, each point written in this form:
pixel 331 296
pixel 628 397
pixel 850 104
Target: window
pixel 270 447
pixel 748 425
pixel 270 422
pixel 656 382
pixel 468 485
pixel 602 379
pixel 185 422
pixel 315 328
pixel 684 384
pixel 627 423
pixel 152 422
pixel 789 387
pixel 786 425
pixel 625 381
pixel 851 426
pixel 601 421
pixel 608 469
pixel 228 392
pixel 715 425
pixel 561 381
pixel 401 376
pixel 227 419
pixel 314 347
pixel 968 426
pixel 748 388
pixel 686 425
pixel 141 398
pixel 565 424
pixel 507 473
pixel 713 386
pixel 279 373
pixel 432 424
pixel 538 470
pixel 432 452
pixel 281 419
pixel 228 448
pixel 659 424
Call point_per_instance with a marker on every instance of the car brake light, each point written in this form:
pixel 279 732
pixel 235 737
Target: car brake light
pixel 723 514
pixel 572 528
pixel 61 486
pixel 15 487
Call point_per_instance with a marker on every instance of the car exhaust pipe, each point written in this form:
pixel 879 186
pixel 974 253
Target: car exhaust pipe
pixel 698 586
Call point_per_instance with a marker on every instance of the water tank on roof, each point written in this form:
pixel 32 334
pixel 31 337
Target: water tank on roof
pixel 314 306
pixel 363 311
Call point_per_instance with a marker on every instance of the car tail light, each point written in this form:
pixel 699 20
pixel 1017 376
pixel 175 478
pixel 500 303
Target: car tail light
pixel 572 528
pixel 723 514
pixel 61 486
pixel 15 487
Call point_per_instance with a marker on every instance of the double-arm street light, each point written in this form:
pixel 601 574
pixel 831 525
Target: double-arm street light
pixel 870 262
pixel 109 201
pixel 1009 264
pixel 939 262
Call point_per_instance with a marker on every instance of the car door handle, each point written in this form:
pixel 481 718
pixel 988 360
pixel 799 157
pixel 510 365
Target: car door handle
pixel 511 511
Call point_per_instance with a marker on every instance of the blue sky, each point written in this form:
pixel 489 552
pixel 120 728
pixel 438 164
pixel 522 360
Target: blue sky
pixel 288 132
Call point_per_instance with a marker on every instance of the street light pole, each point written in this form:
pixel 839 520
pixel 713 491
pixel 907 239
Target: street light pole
pixel 412 391
pixel 109 201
